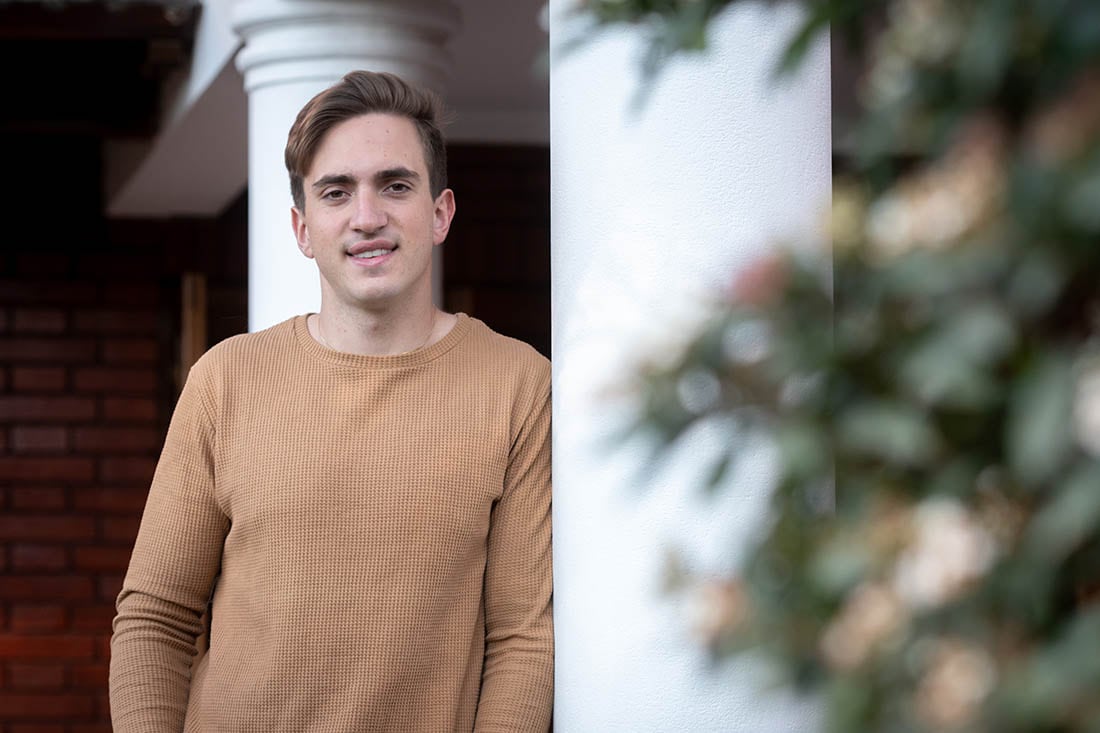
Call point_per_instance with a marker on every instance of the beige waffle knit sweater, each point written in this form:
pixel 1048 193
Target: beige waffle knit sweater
pixel 375 532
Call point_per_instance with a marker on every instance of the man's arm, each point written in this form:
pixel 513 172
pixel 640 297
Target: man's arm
pixel 167 587
pixel 518 681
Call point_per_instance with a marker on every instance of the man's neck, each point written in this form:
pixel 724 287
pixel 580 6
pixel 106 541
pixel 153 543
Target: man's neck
pixel 379 332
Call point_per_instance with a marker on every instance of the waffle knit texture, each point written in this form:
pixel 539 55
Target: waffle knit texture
pixel 372 535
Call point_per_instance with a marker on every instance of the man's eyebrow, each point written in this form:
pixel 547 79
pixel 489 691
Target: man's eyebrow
pixel 389 174
pixel 335 179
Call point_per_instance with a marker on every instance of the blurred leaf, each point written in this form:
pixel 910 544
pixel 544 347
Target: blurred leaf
pixel 988 47
pixel 893 432
pixel 1038 430
pixel 840 565
pixel 947 366
pixel 1037 281
pixel 803 450
pixel 1082 202
pixel 849 705
pixel 1055 678
pixel 1071 515
pixel 939 376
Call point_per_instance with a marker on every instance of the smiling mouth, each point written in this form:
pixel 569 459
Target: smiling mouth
pixel 372 253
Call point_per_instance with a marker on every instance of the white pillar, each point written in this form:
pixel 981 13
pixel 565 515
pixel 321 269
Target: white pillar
pixel 292 50
pixel 653 211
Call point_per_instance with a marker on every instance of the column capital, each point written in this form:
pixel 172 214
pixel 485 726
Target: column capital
pixel 291 41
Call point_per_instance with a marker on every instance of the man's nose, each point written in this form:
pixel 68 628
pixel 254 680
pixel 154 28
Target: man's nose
pixel 369 214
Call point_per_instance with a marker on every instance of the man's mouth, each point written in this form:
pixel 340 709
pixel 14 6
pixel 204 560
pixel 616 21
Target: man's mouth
pixel 372 253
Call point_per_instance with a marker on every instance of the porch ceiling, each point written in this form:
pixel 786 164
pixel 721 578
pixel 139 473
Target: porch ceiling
pixel 90 68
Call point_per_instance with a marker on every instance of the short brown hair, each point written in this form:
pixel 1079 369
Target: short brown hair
pixel 360 93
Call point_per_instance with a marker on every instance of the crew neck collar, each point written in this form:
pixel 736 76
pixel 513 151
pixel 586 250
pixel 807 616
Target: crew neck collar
pixel 412 358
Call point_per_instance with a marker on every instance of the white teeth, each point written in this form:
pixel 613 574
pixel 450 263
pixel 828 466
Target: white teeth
pixel 370 254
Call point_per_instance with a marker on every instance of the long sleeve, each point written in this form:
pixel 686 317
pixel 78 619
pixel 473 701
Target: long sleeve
pixel 518 678
pixel 172 569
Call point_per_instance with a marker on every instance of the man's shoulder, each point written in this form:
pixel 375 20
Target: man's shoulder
pixel 505 352
pixel 242 350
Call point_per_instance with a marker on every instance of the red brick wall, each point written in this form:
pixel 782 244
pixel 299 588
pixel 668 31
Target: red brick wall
pixel 81 367
pixel 88 338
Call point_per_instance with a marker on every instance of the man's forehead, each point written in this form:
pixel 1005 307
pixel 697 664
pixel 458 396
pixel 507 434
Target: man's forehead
pixel 374 140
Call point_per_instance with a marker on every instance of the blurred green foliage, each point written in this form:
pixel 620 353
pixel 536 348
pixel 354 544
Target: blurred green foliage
pixel 934 559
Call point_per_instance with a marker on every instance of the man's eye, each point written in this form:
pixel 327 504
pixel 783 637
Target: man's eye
pixel 398 187
pixel 334 195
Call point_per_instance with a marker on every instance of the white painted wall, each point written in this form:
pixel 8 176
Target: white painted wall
pixel 652 212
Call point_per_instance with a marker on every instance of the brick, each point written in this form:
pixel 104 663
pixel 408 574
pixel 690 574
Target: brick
pixel 132 263
pixel 40 263
pixel 95 618
pixel 92 676
pixel 36 676
pixel 46 409
pixel 121 530
pixel 39 320
pixel 46 527
pixel 38 379
pixel 47 587
pixel 42 646
pixel 102 559
pixel 36 498
pixel 115 380
pixel 103 709
pixel 121 471
pixel 131 294
pixel 130 351
pixel 28 706
pixel 38 292
pixel 116 321
pixel 33 349
pixel 47 469
pixel 111 500
pixel 129 409
pixel 110 586
pixel 39 440
pixel 38 618
pixel 117 440
pixel 25 556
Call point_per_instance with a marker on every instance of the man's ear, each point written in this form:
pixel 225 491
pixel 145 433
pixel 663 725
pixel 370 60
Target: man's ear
pixel 301 231
pixel 444 213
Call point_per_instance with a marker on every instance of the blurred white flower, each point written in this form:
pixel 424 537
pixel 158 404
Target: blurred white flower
pixel 959 677
pixel 927 31
pixel 871 613
pixel 716 608
pixel 949 551
pixel 936 207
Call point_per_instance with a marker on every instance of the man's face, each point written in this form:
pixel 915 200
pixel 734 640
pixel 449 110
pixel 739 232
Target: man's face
pixel 370 220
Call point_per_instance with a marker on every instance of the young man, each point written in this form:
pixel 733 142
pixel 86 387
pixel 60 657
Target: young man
pixel 360 496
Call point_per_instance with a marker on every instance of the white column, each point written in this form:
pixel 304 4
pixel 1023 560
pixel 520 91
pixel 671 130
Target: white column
pixel 653 211
pixel 292 50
